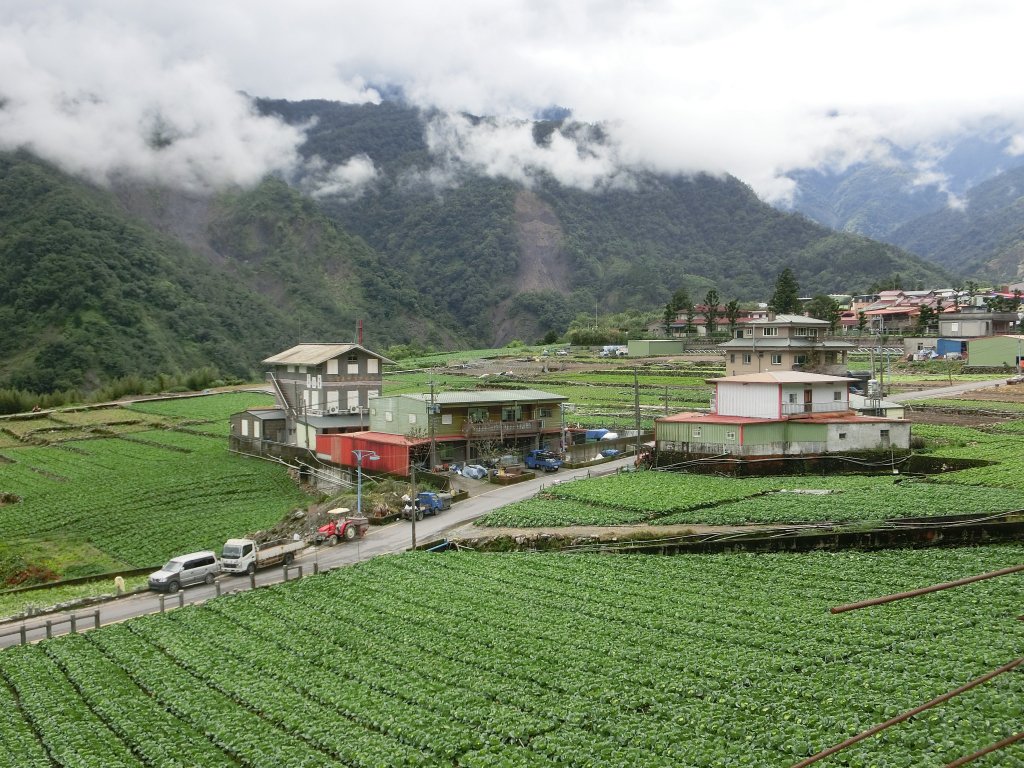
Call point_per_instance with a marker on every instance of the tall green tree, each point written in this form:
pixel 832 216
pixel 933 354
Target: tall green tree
pixel 862 321
pixel 711 311
pixel 786 299
pixel 826 308
pixel 732 315
pixel 679 303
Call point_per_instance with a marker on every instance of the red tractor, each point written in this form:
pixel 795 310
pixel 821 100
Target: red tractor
pixel 341 527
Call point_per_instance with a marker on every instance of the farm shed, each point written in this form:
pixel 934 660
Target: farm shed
pixel 996 351
pixel 655 347
pixel 394 450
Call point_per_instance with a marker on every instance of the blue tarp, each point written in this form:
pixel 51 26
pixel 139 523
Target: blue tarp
pixel 596 434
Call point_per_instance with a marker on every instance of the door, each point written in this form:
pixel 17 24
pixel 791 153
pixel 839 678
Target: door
pixel 808 400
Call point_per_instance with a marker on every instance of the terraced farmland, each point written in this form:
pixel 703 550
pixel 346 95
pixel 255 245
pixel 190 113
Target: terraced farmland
pixel 541 660
pixel 148 493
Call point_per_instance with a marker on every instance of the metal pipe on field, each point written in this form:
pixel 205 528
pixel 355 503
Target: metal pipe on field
pixel 908 714
pixel 924 590
pixel 985 751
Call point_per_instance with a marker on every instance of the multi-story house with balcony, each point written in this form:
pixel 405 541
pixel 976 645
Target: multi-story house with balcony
pixel 319 389
pixel 779 414
pixel 785 343
pixel 458 426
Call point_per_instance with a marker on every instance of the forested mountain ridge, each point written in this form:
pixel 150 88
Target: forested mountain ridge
pixel 99 283
pixel 607 250
pixel 984 237
pixel 90 292
pixel 940 208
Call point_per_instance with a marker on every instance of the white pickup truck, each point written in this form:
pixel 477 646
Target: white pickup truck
pixel 245 555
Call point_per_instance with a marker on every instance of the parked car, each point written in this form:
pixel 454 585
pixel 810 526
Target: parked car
pixel 184 571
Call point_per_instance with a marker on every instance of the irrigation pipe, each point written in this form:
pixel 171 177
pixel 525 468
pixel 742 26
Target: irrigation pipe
pixel 924 590
pixel 982 752
pixel 908 714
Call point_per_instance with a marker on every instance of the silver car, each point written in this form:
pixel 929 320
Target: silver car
pixel 185 570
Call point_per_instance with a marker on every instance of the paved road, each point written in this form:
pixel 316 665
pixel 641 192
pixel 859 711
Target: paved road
pixel 956 389
pixel 388 539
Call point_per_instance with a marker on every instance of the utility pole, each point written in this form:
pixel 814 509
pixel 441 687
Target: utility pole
pixel 412 517
pixel 636 409
pixel 430 424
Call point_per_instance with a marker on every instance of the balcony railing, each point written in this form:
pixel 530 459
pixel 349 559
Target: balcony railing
pixel 791 409
pixel 501 429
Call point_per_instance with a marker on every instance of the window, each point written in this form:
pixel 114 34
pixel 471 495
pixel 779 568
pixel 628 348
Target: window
pixel 776 359
pixel 770 331
pixel 837 396
pixel 372 365
pixel 669 446
pixel 884 434
pixel 732 357
pixel 739 333
pixel 799 359
pixel 511 413
pixel 809 332
pixel 477 415
pixel 245 427
pixel 792 397
pixel 730 435
pixel 544 412
pixel 373 411
pixel 332 367
pixel 842 435
pixel 695 432
pixel 747 358
pixel 446 418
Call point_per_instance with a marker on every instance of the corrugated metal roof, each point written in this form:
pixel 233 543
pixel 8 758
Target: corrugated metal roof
pixel 477 396
pixel 780 377
pixel 775 342
pixel 790 320
pixel 834 417
pixel 316 354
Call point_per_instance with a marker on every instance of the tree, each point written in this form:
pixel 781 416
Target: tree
pixel 862 321
pixel 786 299
pixel 732 315
pixel 711 311
pixel 680 302
pixel 826 308
pixel 926 318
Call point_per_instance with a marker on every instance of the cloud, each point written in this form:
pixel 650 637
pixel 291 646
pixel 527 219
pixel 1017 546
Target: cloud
pixel 347 181
pixel 573 155
pixel 753 89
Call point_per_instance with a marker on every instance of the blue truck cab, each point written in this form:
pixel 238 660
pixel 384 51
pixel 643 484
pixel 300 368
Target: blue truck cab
pixel 541 459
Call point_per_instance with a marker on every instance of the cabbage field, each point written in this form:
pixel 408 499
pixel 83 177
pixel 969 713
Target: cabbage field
pixel 140 484
pixel 670 498
pixel 502 661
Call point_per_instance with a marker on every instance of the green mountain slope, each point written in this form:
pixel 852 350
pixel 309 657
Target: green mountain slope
pixel 510 261
pixel 984 239
pixel 89 292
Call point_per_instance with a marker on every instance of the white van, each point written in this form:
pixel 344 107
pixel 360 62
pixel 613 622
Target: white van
pixel 184 571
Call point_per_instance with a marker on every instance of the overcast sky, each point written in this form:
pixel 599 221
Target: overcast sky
pixel 752 88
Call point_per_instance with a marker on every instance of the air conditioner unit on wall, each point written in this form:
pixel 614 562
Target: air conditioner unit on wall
pixel 355 409
pixel 332 409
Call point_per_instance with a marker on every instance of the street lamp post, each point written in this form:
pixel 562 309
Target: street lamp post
pixel 360 456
